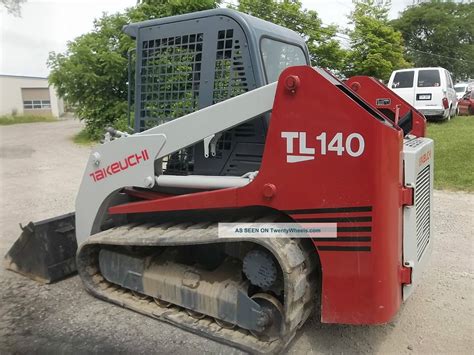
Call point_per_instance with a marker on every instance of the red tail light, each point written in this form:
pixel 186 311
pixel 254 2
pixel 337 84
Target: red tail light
pixel 445 103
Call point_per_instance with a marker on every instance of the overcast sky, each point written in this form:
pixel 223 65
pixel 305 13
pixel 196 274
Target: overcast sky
pixel 46 26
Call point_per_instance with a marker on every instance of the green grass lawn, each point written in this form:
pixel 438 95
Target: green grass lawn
pixel 83 138
pixel 454 153
pixel 9 119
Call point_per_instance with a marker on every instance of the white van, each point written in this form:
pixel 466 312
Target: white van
pixel 463 88
pixel 429 90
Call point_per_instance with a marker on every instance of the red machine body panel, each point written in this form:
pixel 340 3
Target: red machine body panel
pixel 359 187
pixel 382 98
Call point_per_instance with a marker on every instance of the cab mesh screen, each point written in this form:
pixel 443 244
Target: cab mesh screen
pixel 169 78
pixel 177 78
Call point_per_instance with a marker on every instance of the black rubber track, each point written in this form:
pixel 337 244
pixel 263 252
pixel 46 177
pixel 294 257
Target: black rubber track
pixel 296 260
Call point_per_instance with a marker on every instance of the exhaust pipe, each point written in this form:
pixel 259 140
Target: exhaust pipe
pixel 45 250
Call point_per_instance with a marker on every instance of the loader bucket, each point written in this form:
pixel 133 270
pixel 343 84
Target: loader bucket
pixel 46 250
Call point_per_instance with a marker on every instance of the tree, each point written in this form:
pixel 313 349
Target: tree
pixel 376 48
pixel 92 73
pixel 440 34
pixel 324 49
pixel 13 6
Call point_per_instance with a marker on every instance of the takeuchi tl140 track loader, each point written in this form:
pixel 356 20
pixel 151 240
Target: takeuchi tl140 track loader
pixel 234 125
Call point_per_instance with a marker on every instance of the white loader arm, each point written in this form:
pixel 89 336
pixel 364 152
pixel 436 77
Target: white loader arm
pixel 129 161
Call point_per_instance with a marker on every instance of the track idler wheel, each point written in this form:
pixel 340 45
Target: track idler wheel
pixel 272 321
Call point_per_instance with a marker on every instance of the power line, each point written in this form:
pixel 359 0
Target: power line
pixel 347 38
pixel 440 55
pixel 344 5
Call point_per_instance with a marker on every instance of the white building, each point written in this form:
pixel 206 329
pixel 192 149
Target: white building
pixel 26 95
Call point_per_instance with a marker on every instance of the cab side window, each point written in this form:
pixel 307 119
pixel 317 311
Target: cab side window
pixel 279 55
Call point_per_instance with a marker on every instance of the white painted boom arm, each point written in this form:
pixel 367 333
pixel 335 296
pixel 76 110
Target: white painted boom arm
pixel 129 161
pixel 194 127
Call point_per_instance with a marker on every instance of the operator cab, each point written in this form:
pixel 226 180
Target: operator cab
pixel 185 63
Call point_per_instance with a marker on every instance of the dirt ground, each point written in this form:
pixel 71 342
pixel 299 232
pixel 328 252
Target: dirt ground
pixel 40 171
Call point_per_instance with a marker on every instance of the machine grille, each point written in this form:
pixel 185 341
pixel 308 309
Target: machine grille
pixel 422 203
pixel 229 75
pixel 169 82
pixel 179 163
pixel 169 78
pixel 229 79
pixel 414 142
pixel 183 68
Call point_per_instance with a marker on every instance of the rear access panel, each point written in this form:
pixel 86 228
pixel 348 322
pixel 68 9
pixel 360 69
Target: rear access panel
pixel 417 219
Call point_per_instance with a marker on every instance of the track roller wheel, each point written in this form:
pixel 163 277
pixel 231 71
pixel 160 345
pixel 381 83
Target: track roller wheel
pixel 273 321
pixel 223 324
pixel 194 314
pixel 139 295
pixel 161 303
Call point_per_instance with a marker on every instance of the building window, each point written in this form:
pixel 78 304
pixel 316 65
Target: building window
pixel 37 105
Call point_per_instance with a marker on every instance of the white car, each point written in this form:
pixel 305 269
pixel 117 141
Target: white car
pixel 429 90
pixel 463 88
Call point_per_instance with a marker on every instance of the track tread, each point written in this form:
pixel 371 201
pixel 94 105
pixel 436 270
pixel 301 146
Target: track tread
pixel 295 261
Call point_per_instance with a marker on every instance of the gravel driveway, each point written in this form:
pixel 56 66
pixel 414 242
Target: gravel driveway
pixel 40 173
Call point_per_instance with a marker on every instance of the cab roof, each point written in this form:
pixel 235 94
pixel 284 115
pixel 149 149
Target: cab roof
pixel 254 28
